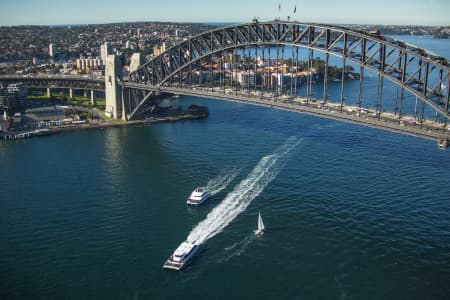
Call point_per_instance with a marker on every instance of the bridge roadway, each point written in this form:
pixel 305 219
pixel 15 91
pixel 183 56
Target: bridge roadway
pixel 385 121
pixel 57 81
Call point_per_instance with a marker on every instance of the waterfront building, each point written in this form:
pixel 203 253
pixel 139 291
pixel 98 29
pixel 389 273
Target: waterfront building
pixel 244 78
pixel 39 117
pixel 279 81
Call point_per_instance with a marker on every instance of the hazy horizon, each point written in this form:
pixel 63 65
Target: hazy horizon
pixel 215 22
pixel 84 12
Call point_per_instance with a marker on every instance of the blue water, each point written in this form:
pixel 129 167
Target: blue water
pixel 438 46
pixel 351 212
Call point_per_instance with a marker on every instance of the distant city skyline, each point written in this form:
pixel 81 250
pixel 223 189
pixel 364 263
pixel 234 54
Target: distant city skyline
pixel 52 12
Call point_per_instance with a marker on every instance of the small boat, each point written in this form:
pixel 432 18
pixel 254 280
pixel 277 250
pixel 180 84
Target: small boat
pixel 198 196
pixel 443 143
pixel 181 256
pixel 260 230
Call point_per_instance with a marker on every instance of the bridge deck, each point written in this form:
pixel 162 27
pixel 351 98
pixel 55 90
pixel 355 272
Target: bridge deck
pixel 385 121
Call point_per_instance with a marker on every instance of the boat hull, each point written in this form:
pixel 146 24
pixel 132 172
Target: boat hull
pixel 169 265
pixel 259 232
pixel 197 202
pixel 199 196
pixel 177 266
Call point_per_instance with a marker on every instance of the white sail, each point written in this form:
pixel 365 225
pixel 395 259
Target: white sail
pixel 261 227
pixel 260 223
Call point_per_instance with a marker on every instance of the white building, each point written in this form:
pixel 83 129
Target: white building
pixel 88 63
pixel 52 50
pixel 227 66
pixel 246 79
pixel 280 81
pixel 130 45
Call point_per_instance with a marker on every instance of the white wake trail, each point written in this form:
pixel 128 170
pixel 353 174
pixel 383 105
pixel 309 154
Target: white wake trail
pixel 237 248
pixel 242 195
pixel 216 185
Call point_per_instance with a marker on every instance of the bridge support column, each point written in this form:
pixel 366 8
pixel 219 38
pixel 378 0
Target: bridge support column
pixel 93 99
pixel 136 61
pixel 124 112
pixel 49 92
pixel 71 93
pixel 113 93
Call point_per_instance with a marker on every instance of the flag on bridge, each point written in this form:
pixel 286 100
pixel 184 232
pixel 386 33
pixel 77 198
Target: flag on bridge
pixel 279 7
pixel 295 8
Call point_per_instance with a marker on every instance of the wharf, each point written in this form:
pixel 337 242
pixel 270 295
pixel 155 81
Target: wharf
pixel 87 126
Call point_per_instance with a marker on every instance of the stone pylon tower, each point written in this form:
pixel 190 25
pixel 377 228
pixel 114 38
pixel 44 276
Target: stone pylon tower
pixel 113 91
pixel 137 60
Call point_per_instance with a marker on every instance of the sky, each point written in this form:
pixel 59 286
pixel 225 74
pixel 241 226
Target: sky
pixel 63 12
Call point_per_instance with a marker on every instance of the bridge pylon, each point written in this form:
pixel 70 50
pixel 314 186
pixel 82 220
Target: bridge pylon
pixel 137 60
pixel 113 90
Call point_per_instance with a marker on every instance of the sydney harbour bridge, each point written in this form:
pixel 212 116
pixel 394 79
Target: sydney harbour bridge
pixel 271 64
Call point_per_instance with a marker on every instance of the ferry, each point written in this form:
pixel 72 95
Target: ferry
pixel 181 256
pixel 198 196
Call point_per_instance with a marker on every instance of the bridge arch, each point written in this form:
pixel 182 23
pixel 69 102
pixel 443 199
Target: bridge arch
pixel 422 73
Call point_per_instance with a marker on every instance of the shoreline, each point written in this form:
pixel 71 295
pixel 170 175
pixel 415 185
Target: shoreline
pixel 91 126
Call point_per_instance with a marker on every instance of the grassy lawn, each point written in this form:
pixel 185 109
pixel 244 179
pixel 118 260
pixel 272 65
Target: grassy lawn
pixel 60 98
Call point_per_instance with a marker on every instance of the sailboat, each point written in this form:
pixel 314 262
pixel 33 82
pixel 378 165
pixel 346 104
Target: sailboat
pixel 261 227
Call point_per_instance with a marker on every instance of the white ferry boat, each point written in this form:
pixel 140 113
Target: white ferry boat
pixel 198 196
pixel 181 255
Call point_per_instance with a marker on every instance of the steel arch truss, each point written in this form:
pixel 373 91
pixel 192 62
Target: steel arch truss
pixel 135 99
pixel 423 74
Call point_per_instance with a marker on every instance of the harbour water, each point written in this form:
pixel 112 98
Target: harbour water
pixel 351 212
